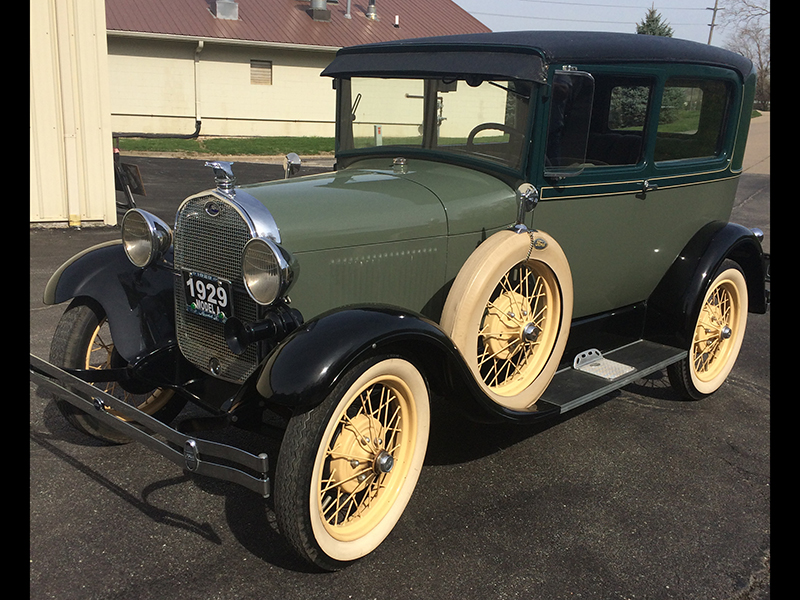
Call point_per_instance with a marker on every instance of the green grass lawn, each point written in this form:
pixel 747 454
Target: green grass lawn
pixel 263 146
pixel 271 146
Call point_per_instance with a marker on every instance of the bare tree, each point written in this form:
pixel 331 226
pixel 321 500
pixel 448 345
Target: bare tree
pixel 744 13
pixel 747 25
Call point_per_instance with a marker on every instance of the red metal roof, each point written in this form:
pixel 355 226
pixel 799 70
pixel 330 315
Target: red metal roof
pixel 290 22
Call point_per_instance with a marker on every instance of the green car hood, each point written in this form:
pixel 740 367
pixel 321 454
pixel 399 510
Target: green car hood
pixel 371 203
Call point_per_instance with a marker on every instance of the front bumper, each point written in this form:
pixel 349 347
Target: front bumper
pixel 202 457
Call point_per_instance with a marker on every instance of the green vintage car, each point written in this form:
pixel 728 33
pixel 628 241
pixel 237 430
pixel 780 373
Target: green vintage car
pixel 517 224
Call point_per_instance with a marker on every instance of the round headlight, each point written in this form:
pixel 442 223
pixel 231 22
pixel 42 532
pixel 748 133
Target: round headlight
pixel 145 237
pixel 266 269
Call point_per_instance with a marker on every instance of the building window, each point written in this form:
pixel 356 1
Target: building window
pixel 261 72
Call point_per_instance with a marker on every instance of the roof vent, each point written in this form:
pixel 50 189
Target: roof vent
pixel 372 12
pixel 319 10
pixel 226 9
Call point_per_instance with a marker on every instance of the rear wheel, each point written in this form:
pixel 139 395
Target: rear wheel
pixel 82 340
pixel 717 338
pixel 347 468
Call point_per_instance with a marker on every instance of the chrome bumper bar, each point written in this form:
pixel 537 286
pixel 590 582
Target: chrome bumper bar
pixel 196 455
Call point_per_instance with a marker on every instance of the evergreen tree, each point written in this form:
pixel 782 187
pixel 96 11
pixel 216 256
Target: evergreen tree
pixel 629 107
pixel 653 25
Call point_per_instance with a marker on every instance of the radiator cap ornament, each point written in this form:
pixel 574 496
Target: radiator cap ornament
pixel 223 176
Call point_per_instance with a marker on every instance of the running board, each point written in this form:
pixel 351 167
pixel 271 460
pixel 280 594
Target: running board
pixel 594 375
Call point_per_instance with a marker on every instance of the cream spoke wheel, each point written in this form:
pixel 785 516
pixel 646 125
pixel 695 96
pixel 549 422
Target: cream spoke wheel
pixel 347 468
pixel 82 340
pixel 361 456
pixel 716 338
pixel 517 328
pixel 509 313
pixel 712 341
pixel 100 355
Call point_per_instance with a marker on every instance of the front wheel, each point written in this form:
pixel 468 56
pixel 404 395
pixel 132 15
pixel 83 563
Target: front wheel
pixel 717 338
pixel 82 340
pixel 347 468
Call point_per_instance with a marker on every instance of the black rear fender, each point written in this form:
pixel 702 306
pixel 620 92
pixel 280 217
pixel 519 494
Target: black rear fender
pixel 673 306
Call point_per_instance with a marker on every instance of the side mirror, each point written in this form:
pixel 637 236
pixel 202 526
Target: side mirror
pixel 291 164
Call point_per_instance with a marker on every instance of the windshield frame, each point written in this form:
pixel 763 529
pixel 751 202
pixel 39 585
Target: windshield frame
pixel 429 148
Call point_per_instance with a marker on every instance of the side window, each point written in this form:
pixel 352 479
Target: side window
pixel 619 118
pixel 692 119
pixel 568 126
pixel 628 108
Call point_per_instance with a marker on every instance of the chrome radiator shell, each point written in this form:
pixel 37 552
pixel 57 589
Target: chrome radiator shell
pixel 211 231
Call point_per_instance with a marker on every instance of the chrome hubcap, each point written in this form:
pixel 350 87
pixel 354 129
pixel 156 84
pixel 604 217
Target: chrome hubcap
pixel 383 462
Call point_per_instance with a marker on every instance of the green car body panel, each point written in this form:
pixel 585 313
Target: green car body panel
pixel 374 234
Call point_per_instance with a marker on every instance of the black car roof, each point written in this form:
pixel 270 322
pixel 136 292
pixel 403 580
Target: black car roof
pixel 522 54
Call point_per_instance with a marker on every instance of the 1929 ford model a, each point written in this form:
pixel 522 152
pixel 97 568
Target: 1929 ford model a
pixel 519 223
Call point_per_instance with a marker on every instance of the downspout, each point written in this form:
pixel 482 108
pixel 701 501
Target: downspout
pixel 197 121
pixel 197 52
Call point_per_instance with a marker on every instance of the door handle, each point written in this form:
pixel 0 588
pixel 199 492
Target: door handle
pixel 647 186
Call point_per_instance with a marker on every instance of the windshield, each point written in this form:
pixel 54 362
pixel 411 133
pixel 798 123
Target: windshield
pixel 486 120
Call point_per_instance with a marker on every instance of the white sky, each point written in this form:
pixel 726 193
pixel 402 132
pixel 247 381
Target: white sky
pixel 689 19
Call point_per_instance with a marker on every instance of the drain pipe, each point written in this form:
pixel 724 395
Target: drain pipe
pixel 197 52
pixel 197 121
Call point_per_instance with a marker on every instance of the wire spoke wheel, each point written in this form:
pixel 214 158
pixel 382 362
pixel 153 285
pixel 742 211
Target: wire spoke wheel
pixel 82 340
pixel 518 328
pixel 716 338
pixel 367 454
pixel 100 355
pixel 347 468
pixel 509 312
pixel 713 342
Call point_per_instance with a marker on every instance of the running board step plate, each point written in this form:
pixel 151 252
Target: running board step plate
pixel 572 387
pixel 594 363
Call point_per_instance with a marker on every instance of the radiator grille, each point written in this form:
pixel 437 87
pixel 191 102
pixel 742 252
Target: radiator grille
pixel 212 245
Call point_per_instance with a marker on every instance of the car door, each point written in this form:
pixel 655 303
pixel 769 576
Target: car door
pixel 594 196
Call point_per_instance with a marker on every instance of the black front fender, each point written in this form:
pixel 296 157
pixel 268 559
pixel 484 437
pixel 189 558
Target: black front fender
pixel 305 367
pixel 138 303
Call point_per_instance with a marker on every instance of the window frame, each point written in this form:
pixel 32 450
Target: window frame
pixel 347 153
pixel 646 168
pixel 606 173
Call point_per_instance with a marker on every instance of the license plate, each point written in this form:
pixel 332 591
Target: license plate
pixel 208 296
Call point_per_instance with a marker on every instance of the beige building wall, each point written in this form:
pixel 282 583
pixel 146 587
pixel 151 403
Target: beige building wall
pixel 71 171
pixel 162 85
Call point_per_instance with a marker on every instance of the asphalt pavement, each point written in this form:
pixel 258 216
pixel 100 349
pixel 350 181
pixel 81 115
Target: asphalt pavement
pixel 637 496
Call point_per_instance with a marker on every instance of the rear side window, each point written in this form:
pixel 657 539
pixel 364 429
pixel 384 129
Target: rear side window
pixel 692 119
